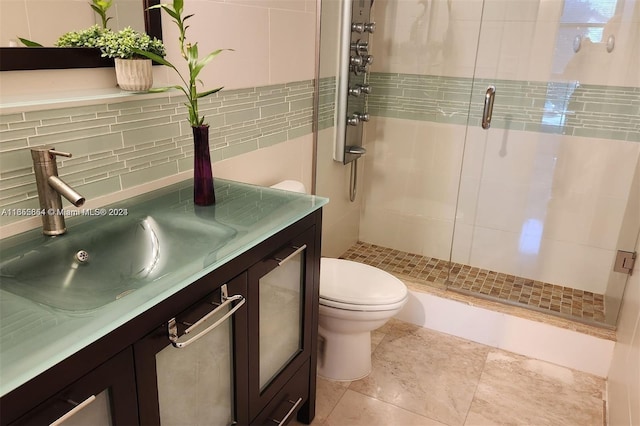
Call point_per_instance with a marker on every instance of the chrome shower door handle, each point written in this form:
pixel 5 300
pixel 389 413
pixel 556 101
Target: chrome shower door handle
pixel 489 97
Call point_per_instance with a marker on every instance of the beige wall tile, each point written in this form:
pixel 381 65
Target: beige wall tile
pixel 13 21
pixel 298 5
pixel 291 45
pixel 341 217
pixel 425 38
pixel 268 166
pixel 218 25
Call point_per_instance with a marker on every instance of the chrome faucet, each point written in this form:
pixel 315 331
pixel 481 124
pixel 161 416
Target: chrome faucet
pixel 50 188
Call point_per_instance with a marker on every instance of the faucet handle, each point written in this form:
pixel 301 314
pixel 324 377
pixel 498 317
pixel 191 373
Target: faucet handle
pixel 53 153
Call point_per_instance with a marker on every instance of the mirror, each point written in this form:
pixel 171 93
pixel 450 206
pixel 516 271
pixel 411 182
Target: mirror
pixel 36 58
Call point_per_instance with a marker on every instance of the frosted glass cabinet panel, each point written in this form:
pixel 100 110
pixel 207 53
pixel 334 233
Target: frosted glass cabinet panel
pixel 194 382
pixel 185 368
pixel 280 315
pixel 280 328
pixel 97 412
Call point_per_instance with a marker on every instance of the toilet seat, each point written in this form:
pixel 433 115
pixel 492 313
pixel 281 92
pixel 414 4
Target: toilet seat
pixel 354 286
pixel 362 308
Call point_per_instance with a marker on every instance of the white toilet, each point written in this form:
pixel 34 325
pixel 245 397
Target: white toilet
pixel 355 299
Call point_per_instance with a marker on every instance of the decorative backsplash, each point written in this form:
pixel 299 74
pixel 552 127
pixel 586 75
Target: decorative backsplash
pixel 326 102
pixel 120 145
pixel 547 107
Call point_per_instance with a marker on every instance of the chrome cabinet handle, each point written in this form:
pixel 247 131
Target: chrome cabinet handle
pixel 488 107
pixel 291 256
pixel 286 417
pixel 173 330
pixel 74 410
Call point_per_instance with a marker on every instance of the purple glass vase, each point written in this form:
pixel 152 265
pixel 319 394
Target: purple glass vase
pixel 203 194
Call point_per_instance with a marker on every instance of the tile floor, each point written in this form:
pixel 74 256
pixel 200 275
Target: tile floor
pixel 423 377
pixel 546 297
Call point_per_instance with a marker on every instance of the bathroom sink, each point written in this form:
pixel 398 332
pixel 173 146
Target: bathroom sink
pixel 100 261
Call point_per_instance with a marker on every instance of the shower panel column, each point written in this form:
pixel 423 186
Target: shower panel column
pixel 353 87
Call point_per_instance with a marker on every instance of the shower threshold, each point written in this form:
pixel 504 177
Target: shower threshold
pixel 556 300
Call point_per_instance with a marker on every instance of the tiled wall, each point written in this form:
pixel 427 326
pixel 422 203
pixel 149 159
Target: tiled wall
pixel 542 191
pixel 341 217
pixel 45 21
pixel 326 102
pixel 547 107
pixel 260 123
pixel 120 145
pixel 530 204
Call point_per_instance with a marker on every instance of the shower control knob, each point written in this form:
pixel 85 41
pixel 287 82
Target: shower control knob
pixel 354 119
pixel 362 116
pixel 356 61
pixel 360 47
pixel 355 91
pixel 368 59
pixel 357 27
pixel 365 88
pixel 370 27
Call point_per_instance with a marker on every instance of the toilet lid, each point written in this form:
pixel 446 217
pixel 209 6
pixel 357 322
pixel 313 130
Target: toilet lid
pixel 354 283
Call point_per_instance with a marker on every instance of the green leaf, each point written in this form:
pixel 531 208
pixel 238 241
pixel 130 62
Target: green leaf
pixel 167 9
pixel 177 6
pixel 164 89
pixel 209 92
pixel 156 58
pixel 29 43
pixel 195 65
pixel 204 61
pixel 193 53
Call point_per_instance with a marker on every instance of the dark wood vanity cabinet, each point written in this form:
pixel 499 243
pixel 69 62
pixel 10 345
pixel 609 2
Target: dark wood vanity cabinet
pixel 282 322
pixel 200 377
pixel 104 396
pixel 261 358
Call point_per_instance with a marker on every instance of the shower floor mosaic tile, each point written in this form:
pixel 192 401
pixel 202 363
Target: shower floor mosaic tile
pixel 539 295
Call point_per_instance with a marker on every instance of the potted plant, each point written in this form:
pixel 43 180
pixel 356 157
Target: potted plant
pixel 88 37
pixel 133 70
pixel 203 176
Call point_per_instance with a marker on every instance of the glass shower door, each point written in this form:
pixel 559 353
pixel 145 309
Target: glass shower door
pixel 421 82
pixel 546 193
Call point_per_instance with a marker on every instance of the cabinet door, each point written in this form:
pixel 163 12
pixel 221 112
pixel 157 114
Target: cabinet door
pixel 105 396
pixel 279 319
pixel 185 368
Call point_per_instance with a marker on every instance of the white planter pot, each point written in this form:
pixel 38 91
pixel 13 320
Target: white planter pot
pixel 134 74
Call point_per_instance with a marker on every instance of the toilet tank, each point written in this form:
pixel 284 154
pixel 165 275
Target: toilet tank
pixel 290 185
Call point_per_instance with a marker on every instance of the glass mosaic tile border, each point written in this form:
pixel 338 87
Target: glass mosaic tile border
pixel 326 102
pixel 123 144
pixel 566 108
pixel 550 298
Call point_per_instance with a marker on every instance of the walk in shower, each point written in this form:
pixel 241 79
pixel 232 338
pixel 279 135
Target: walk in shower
pixel 542 208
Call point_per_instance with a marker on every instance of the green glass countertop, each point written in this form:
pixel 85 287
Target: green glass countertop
pixel 54 302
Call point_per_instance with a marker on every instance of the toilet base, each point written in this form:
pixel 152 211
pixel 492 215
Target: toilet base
pixel 344 356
